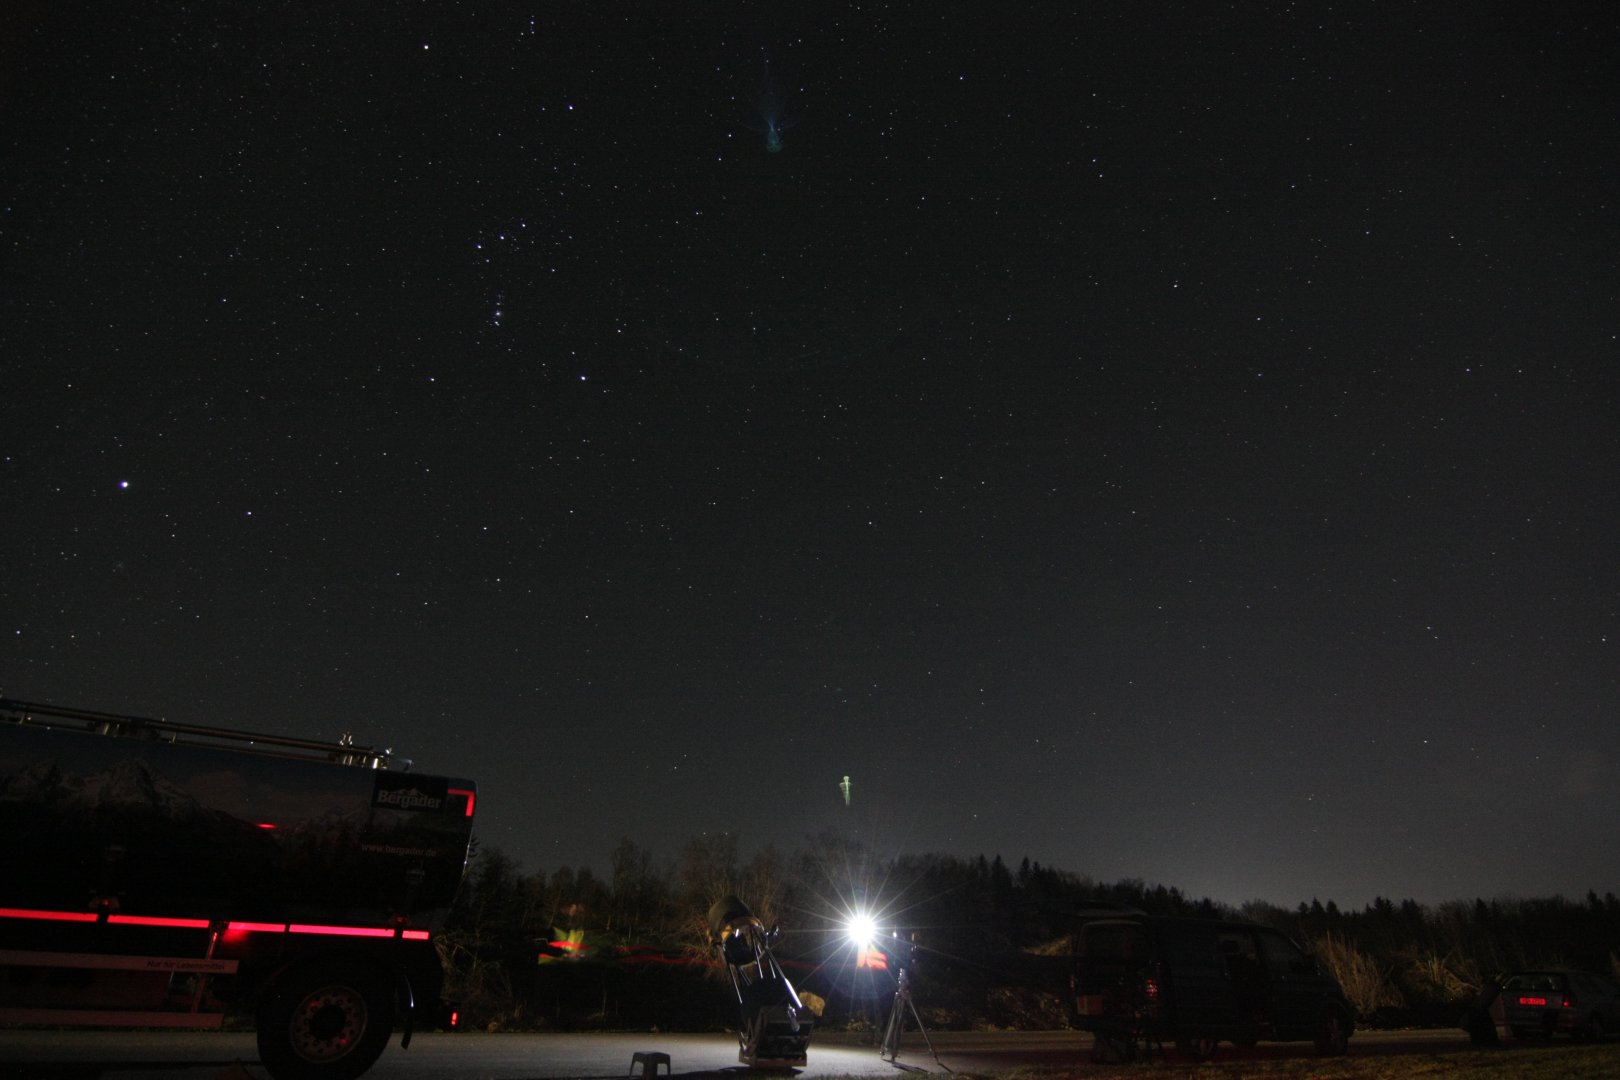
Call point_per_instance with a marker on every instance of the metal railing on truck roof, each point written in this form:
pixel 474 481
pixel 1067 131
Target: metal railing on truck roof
pixel 343 752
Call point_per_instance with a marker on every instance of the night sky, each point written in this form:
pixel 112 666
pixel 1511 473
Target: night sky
pixel 1162 441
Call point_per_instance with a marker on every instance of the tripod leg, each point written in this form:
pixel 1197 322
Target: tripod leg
pixel 926 1040
pixel 891 1034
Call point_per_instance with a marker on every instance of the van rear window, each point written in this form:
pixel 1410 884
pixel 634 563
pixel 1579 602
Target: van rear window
pixel 1191 948
pixel 1111 941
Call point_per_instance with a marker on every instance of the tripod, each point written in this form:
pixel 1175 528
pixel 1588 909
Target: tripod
pixel 890 1048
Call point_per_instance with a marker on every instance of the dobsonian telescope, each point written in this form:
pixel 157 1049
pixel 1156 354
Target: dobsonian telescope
pixel 774 1026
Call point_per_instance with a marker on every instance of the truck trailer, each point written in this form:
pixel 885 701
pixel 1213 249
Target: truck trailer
pixel 157 874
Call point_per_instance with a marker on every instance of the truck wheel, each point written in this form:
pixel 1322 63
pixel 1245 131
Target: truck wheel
pixel 1197 1047
pixel 327 1021
pixel 1113 1047
pixel 1333 1034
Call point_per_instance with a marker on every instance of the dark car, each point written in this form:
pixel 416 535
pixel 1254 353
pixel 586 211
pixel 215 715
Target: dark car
pixel 1141 980
pixel 1541 1004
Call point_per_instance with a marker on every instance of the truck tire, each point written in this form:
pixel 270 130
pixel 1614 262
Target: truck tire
pixel 1481 1028
pixel 326 1021
pixel 1333 1034
pixel 1197 1047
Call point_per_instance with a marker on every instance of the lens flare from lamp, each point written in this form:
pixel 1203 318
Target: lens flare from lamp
pixel 862 929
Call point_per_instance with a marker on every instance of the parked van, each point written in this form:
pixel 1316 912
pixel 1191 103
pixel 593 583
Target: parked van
pixel 1140 981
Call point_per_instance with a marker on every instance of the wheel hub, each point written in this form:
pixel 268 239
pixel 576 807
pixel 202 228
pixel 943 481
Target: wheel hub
pixel 327 1023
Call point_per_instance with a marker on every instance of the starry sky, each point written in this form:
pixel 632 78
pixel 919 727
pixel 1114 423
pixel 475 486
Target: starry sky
pixel 1162 442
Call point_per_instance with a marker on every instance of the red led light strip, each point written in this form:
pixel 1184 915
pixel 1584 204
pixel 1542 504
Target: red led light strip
pixel 54 916
pixel 340 931
pixel 204 924
pixel 153 920
pixel 470 798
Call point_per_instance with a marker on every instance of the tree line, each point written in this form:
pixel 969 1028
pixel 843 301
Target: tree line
pixel 986 943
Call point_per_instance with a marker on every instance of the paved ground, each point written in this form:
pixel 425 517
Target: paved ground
pixel 114 1055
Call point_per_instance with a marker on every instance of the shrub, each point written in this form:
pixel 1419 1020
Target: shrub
pixel 1366 985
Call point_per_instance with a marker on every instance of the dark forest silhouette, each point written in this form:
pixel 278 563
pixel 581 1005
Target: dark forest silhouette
pixel 570 949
